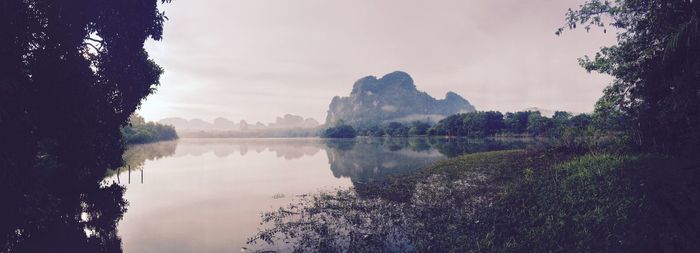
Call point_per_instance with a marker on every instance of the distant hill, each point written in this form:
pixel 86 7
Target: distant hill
pixel 394 97
pixel 293 121
pixel 288 121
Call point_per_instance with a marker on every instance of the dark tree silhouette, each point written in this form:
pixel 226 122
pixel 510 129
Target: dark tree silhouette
pixel 71 73
pixel 656 65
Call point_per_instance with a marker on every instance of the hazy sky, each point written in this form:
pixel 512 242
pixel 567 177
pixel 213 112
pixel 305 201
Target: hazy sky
pixel 258 59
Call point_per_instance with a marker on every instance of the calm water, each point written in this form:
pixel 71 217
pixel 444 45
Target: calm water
pixel 206 195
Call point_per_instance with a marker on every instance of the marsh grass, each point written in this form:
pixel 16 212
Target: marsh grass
pixel 505 201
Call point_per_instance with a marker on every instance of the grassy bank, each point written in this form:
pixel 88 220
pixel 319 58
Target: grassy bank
pixel 596 203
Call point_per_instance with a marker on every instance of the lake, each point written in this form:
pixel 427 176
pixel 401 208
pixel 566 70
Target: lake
pixel 207 195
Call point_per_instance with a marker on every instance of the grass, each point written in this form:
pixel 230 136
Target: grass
pixel 598 203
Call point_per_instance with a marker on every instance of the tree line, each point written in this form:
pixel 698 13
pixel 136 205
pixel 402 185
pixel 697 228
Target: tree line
pixel 139 131
pixel 487 123
pixel 523 123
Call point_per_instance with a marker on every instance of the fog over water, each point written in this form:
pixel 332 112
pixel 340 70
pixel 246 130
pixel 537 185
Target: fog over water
pixel 207 195
pixel 256 60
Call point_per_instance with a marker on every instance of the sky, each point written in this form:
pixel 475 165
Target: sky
pixel 260 59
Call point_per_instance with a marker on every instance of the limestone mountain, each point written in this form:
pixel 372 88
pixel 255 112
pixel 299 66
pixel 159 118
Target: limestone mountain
pixel 394 97
pixel 293 121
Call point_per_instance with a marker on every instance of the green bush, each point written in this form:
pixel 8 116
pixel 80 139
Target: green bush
pixel 340 131
pixel 138 131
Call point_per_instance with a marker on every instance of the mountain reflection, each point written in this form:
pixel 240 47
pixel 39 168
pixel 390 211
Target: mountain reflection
pixel 361 159
pixel 370 159
pixel 288 149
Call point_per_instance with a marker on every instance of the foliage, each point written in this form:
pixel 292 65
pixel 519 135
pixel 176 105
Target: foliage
pixel 562 126
pixel 480 124
pixel 656 65
pixel 139 131
pixel 72 74
pixel 538 125
pixel 516 122
pixel 396 129
pixel 374 131
pixel 339 131
pixel 418 128
pixel 598 203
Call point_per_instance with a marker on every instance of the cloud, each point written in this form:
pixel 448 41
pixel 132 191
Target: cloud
pixel 258 59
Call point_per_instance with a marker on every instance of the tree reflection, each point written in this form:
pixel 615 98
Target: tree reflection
pixel 40 218
pixel 423 211
pixel 136 156
pixel 369 159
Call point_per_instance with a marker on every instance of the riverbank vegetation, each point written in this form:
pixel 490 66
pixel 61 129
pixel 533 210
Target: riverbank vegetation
pixel 493 123
pixel 138 131
pixel 339 131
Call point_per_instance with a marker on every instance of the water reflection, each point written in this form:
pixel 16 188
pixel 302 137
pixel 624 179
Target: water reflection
pixel 369 159
pixel 42 218
pixel 207 194
pixel 361 159
pixel 288 149
pixel 218 188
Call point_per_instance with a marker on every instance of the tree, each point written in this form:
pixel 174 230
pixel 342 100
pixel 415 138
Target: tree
pixel 450 126
pixel 396 129
pixel 517 122
pixel 418 128
pixel 339 131
pixel 581 121
pixel 538 125
pixel 72 73
pixel 656 65
pixel 375 131
pixel 473 124
pixel 561 116
pixel 493 122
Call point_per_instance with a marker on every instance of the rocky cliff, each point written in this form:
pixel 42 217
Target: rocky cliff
pixel 394 97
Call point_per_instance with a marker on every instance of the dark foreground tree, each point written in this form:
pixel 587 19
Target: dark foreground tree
pixel 656 65
pixel 71 73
